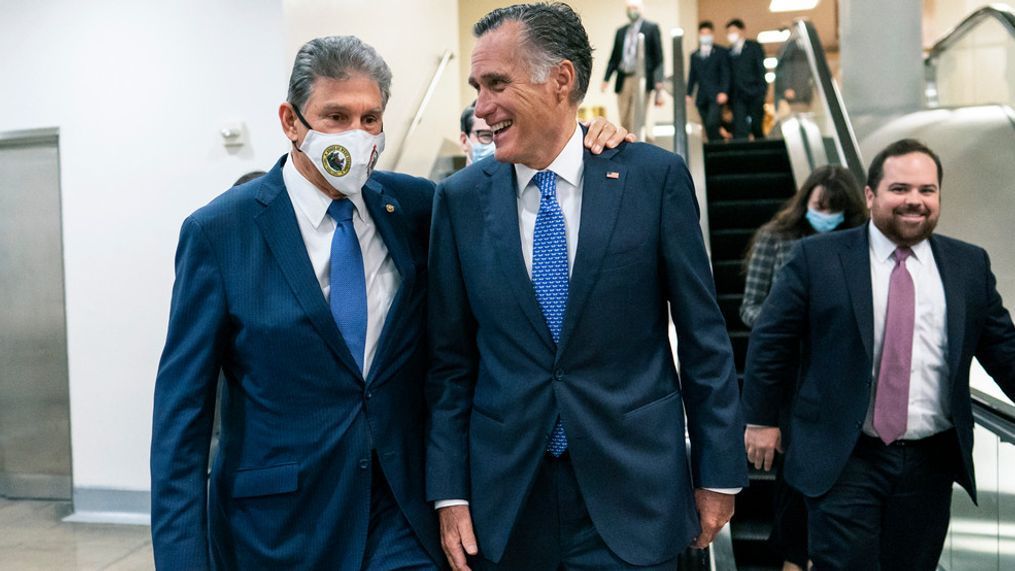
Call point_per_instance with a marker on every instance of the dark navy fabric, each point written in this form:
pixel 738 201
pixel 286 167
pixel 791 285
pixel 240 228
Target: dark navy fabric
pixel 291 485
pixel 818 324
pixel 498 381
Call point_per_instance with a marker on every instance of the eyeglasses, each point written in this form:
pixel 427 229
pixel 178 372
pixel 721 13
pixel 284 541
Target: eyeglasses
pixel 484 136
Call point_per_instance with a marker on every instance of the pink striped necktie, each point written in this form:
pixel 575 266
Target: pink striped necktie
pixel 891 404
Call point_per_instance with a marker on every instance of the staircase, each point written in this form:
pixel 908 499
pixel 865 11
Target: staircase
pixel 746 183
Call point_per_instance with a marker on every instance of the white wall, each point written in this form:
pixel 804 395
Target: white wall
pixel 411 36
pixel 139 90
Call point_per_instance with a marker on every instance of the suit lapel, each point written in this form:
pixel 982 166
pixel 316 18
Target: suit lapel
pixel 600 206
pixel 954 300
pixel 277 223
pixel 387 217
pixel 500 204
pixel 855 260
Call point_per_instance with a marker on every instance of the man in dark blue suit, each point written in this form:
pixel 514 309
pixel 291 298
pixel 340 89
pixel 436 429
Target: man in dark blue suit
pixel 558 415
pixel 747 84
pixel 306 287
pixel 710 74
pixel 879 324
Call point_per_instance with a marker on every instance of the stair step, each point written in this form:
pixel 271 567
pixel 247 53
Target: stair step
pixel 729 304
pixel 750 530
pixel 755 161
pixel 729 276
pixel 730 244
pixel 749 186
pixel 744 145
pixel 731 214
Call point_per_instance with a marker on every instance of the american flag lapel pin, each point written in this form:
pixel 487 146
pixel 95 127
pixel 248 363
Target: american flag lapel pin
pixel 612 174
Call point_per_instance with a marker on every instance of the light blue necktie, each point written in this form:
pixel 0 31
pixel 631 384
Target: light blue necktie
pixel 348 298
pixel 549 274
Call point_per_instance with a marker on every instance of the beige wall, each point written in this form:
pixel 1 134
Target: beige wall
pixel 411 36
pixel 601 19
pixel 756 16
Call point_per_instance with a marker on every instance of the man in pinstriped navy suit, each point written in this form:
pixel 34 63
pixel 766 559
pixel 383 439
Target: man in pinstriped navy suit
pixel 320 464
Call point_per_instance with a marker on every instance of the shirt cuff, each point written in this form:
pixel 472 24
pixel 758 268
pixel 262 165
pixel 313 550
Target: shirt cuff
pixel 448 503
pixel 728 491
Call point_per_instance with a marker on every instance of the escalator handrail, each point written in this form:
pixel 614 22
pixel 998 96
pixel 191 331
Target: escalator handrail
pixel 1000 12
pixel 845 139
pixel 994 415
pixel 680 142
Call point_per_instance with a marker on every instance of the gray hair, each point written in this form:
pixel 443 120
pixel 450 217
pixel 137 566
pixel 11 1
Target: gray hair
pixel 336 57
pixel 553 33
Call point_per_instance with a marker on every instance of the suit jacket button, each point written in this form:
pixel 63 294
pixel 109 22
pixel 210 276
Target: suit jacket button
pixel 558 375
pixel 369 395
pixel 364 464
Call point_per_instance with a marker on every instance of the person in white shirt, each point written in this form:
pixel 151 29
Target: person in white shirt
pixel 877 326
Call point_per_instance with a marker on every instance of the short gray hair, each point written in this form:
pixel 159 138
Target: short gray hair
pixel 336 57
pixel 553 32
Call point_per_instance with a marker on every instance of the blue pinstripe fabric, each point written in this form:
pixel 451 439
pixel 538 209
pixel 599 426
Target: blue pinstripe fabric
pixel 549 273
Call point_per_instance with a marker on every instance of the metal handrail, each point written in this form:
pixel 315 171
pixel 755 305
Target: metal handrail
pixel 680 145
pixel 994 414
pixel 845 139
pixel 1002 13
pixel 446 57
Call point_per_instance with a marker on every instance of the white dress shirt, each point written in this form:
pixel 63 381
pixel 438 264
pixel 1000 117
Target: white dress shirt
pixel 317 229
pixel 629 61
pixel 929 405
pixel 569 167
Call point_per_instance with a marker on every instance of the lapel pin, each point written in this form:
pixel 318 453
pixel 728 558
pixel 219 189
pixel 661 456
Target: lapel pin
pixel 390 208
pixel 612 174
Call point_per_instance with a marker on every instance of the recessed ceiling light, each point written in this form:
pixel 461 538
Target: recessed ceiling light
pixel 792 5
pixel 773 36
pixel 771 62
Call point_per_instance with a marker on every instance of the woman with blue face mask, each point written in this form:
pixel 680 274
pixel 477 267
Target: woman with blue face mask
pixel 830 199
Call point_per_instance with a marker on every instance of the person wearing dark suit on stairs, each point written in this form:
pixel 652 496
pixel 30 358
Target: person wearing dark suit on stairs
pixel 747 84
pixel 877 327
pixel 623 60
pixel 710 74
pixel 557 413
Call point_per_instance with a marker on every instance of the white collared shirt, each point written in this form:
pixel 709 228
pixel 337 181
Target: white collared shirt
pixel 317 229
pixel 570 169
pixel 929 405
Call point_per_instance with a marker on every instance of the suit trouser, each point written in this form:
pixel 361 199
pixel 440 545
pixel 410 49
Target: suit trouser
pixel 789 522
pixel 748 116
pixel 889 509
pixel 391 542
pixel 626 99
pixel 554 530
pixel 710 113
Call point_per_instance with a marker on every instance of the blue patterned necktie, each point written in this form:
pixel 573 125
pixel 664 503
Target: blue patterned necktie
pixel 348 298
pixel 549 274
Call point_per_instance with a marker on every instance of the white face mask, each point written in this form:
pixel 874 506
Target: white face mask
pixel 480 151
pixel 733 37
pixel 346 160
pixel 705 40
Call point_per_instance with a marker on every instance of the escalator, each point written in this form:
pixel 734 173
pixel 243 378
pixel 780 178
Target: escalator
pixel 969 120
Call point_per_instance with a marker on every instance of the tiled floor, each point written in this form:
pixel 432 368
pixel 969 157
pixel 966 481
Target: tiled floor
pixel 33 537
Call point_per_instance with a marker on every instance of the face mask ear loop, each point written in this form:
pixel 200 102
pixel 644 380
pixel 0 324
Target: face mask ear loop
pixel 302 120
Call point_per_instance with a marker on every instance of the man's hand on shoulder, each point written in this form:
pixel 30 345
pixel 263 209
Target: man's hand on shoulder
pixel 603 134
pixel 457 537
pixel 715 509
pixel 762 442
